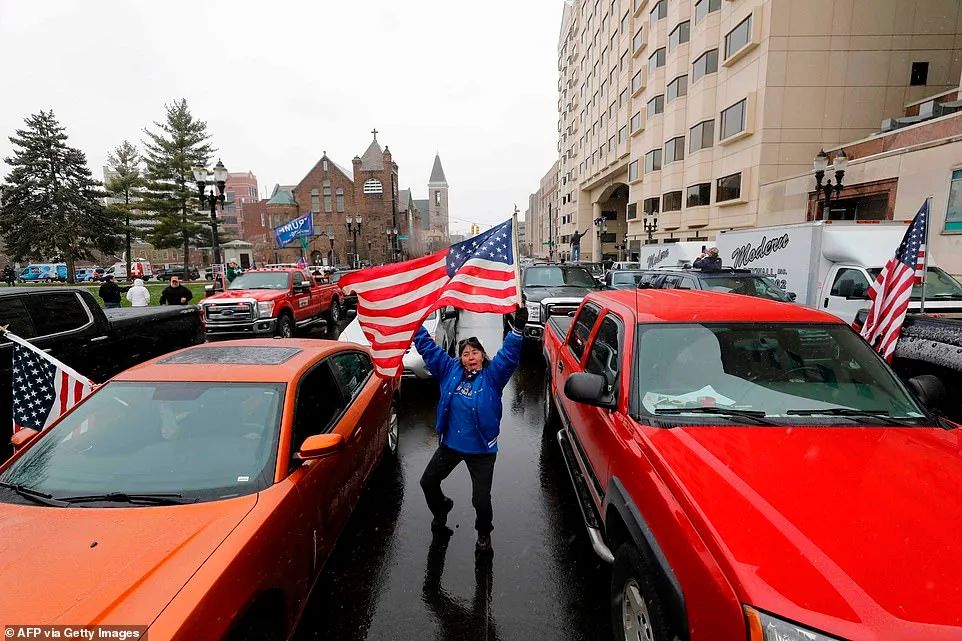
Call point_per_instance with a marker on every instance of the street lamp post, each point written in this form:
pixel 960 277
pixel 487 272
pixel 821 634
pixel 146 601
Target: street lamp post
pixel 392 235
pixel 370 259
pixel 218 179
pixel 601 225
pixel 650 227
pixel 354 228
pixel 625 247
pixel 828 189
pixel 333 255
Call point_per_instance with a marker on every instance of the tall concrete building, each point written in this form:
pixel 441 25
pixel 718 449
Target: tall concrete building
pixel 548 213
pixel 532 227
pixel 673 112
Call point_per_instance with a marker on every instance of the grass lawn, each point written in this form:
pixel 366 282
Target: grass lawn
pixel 154 287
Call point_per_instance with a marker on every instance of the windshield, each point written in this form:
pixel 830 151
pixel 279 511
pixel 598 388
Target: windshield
pixel 626 278
pixel 202 440
pixel 938 284
pixel 262 280
pixel 780 369
pixel 747 285
pixel 558 277
pixel 595 269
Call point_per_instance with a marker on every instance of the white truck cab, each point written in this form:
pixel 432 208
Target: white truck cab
pixel 830 265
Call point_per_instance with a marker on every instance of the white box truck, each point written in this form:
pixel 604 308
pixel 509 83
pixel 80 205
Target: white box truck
pixel 830 264
pixel 681 254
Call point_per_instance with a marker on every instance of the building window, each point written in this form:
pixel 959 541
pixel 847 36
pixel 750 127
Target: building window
pixel 660 11
pixel 733 120
pixel 705 64
pixel 636 121
pixel 650 206
pixel 704 7
pixel 601 119
pixel 324 164
pixel 676 88
pixel 738 37
pixel 604 85
pixel 656 60
pixel 728 188
pixel 655 106
pixel 637 81
pixel 373 186
pixel 671 201
pixel 653 160
pixel 701 136
pixel 315 201
pixel 632 211
pixel 953 214
pixel 920 73
pixel 339 198
pixel 622 134
pixel 328 203
pixel 638 40
pixel 623 98
pixel 679 35
pixel 698 195
pixel 675 149
pixel 623 62
pixel 633 170
pixel 624 22
pixel 611 145
pixel 611 109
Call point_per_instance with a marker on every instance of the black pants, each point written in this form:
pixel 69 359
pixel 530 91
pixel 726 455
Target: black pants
pixel 481 469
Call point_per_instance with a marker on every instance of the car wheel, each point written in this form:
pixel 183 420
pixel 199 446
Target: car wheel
pixel 393 433
pixel 334 314
pixel 550 411
pixel 637 612
pixel 285 326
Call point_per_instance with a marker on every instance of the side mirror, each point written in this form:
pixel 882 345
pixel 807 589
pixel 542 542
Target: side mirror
pixel 792 296
pixel 320 446
pixel 590 389
pixel 449 314
pixel 23 437
pixel 208 289
pixel 305 284
pixel 929 388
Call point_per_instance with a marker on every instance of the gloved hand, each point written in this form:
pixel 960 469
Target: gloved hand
pixel 520 318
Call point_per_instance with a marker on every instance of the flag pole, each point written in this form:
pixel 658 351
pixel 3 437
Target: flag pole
pixel 925 257
pixel 517 257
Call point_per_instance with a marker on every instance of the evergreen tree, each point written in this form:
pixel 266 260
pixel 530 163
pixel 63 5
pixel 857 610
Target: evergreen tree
pixel 181 144
pixel 50 206
pixel 126 184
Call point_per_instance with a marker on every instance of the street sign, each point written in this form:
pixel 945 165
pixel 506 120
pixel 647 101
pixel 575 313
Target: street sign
pixel 403 236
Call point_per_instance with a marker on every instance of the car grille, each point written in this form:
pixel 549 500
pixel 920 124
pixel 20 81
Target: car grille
pixel 560 309
pixel 229 312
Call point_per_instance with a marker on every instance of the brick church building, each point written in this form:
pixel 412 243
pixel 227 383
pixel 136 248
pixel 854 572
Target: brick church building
pixel 393 225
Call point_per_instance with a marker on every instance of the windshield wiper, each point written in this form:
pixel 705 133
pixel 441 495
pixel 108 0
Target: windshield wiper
pixel 34 495
pixel 756 416
pixel 124 497
pixel 880 415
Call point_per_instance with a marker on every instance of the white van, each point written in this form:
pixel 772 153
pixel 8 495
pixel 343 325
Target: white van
pixel 830 264
pixel 138 268
pixel 675 255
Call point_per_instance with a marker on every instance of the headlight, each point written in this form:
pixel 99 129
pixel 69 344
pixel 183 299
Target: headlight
pixel 534 311
pixel 765 627
pixel 265 310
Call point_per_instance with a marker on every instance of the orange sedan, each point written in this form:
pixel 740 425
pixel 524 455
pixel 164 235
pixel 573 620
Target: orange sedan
pixel 198 494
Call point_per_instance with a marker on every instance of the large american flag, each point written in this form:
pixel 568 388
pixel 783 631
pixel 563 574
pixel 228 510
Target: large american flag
pixel 891 291
pixel 43 387
pixel 479 275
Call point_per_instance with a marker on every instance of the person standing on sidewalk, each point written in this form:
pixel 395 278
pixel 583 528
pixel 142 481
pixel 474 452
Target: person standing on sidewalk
pixel 138 295
pixel 468 421
pixel 110 292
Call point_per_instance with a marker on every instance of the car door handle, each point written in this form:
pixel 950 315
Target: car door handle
pixel 97 339
pixel 561 366
pixel 826 303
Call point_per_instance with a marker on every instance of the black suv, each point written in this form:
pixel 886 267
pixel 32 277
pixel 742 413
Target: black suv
pixel 553 290
pixel 728 280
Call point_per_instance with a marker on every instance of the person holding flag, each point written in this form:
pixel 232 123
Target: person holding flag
pixel 479 275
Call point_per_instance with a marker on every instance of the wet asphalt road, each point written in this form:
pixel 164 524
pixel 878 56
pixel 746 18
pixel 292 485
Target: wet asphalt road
pixel 386 580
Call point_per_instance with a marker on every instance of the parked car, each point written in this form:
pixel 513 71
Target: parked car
pixel 266 302
pixel 623 279
pixel 165 273
pixel 88 274
pixel 754 471
pixel 547 290
pixel 138 269
pixel 597 270
pixel 72 326
pixel 442 325
pixel 350 300
pixel 199 494
pixel 727 280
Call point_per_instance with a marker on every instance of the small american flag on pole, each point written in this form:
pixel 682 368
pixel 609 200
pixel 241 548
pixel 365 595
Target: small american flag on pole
pixel 892 290
pixel 44 389
pixel 479 275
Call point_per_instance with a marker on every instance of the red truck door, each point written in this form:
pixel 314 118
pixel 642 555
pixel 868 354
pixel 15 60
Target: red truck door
pixel 305 301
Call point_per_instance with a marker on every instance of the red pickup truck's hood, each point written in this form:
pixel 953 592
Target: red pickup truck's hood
pixel 255 294
pixel 852 530
pixel 120 565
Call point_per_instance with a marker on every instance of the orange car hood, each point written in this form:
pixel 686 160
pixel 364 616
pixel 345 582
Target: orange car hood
pixel 83 566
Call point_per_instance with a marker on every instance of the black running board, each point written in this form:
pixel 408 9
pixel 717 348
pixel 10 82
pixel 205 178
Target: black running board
pixel 588 511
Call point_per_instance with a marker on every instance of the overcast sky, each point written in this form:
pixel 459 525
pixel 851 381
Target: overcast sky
pixel 280 82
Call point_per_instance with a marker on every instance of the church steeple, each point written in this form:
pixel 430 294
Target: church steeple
pixel 437 174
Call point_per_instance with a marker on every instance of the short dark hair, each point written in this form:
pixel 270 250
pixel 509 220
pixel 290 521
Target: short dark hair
pixel 473 341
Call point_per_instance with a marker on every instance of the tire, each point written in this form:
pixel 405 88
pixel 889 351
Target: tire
pixel 393 432
pixel 334 314
pixel 285 326
pixel 551 418
pixel 637 611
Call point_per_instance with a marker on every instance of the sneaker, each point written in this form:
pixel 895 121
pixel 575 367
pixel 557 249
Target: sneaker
pixel 440 521
pixel 483 546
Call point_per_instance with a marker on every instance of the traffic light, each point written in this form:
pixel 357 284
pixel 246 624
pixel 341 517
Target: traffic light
pixel 475 229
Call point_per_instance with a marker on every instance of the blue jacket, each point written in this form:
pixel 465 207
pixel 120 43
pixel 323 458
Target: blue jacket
pixel 488 386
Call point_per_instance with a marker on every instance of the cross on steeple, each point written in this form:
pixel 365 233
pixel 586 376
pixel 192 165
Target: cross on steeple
pixel 374 131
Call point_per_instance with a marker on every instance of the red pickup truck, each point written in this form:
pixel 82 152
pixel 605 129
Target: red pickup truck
pixel 755 471
pixel 266 302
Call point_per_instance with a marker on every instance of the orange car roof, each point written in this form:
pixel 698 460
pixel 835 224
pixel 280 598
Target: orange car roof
pixel 252 360
pixel 695 306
